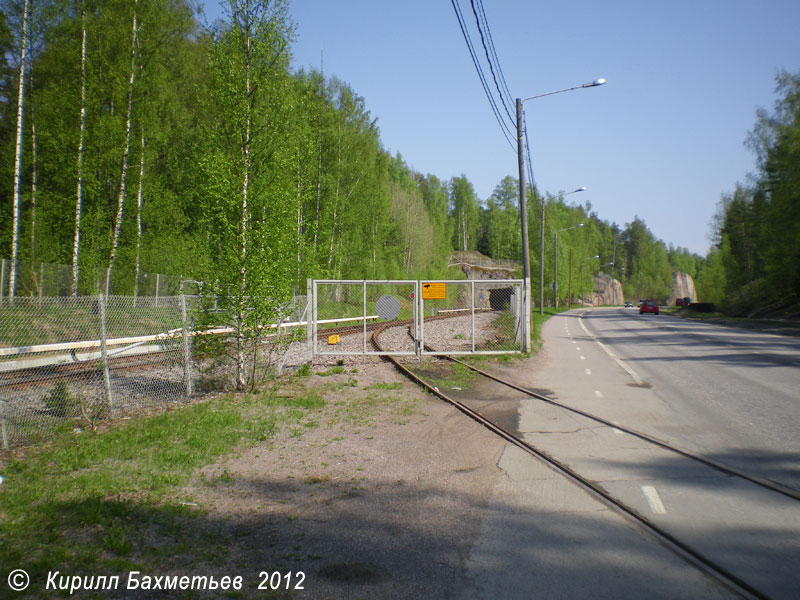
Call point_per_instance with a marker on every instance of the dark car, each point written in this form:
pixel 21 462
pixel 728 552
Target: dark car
pixel 629 304
pixel 649 306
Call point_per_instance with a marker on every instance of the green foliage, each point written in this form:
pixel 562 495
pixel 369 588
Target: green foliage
pixel 256 177
pixel 757 227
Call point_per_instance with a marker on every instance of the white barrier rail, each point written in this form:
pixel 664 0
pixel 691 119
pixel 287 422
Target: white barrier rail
pixel 129 342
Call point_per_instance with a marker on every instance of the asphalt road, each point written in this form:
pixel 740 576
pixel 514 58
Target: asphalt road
pixel 735 393
pixel 728 394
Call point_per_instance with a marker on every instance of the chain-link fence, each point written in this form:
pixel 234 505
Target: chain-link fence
pixel 465 317
pixel 346 313
pixel 74 361
pixel 48 279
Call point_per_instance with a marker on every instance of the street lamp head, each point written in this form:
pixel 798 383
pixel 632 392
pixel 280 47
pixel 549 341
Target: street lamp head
pixel 581 189
pixel 594 83
pixel 596 256
pixel 580 224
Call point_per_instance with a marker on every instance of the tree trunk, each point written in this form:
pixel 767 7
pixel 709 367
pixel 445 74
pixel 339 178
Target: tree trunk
pixel 76 244
pixel 126 150
pixel 37 282
pixel 139 223
pixel 336 195
pixel 12 281
pixel 241 383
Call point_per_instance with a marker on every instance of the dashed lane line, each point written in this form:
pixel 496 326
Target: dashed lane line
pixel 638 380
pixel 654 500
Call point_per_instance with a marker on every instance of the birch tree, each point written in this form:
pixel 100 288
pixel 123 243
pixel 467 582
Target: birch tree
pixel 76 244
pixel 126 149
pixel 250 184
pixel 12 282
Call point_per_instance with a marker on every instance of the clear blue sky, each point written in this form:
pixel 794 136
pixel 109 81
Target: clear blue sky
pixel 664 139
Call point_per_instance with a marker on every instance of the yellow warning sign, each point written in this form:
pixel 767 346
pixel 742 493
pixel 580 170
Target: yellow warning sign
pixel 434 291
pixel 333 339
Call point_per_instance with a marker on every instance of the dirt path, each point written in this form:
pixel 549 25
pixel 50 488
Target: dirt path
pixel 380 497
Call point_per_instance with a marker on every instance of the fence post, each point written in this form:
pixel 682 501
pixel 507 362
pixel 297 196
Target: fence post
pixel 101 299
pixel 2 278
pixel 3 426
pixel 187 349
pixel 527 308
pixel 472 286
pixel 309 319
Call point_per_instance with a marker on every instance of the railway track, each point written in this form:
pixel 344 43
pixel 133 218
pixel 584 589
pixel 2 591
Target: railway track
pixel 694 556
pixel 21 379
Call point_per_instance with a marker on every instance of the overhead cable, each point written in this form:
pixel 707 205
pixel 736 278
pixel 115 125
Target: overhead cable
pixel 494 53
pixel 489 57
pixel 504 128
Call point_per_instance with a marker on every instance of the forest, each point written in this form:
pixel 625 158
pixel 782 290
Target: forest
pixel 134 139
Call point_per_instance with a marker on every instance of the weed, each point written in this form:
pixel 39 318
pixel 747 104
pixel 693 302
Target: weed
pixel 337 370
pixel 61 402
pixel 385 386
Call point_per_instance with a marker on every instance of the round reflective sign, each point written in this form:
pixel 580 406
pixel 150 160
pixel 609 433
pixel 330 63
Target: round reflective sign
pixel 387 307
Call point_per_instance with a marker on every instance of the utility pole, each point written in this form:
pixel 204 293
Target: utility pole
pixel 569 294
pixel 523 214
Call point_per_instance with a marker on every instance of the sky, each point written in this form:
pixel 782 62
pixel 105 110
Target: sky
pixel 663 140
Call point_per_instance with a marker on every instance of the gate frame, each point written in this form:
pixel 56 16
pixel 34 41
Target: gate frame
pixel 418 307
pixel 315 318
pixel 521 317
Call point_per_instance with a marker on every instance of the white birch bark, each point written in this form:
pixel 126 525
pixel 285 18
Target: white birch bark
pixel 241 383
pixel 139 223
pixel 76 244
pixel 126 150
pixel 34 193
pixel 12 281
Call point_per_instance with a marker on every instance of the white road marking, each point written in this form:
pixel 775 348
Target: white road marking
pixel 638 380
pixel 587 371
pixel 583 358
pixel 654 500
pixel 577 347
pixel 617 431
pixel 598 393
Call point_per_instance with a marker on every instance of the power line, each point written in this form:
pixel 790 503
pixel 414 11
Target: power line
pixel 504 128
pixel 488 57
pixel 494 53
pixel 529 157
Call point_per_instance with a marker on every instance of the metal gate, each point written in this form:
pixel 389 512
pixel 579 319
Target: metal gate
pixel 425 317
pixel 472 317
pixel 345 312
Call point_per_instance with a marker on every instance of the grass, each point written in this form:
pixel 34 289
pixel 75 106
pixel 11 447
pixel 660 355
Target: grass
pixel 104 502
pixel 56 322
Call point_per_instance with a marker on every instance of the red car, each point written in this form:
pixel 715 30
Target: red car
pixel 649 306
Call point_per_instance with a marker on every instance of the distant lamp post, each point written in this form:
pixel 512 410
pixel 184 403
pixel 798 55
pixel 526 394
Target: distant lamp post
pixel 526 267
pixel 581 275
pixel 555 258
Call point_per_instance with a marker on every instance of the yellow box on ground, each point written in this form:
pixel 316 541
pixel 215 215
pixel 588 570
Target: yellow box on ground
pixel 333 339
pixel 434 291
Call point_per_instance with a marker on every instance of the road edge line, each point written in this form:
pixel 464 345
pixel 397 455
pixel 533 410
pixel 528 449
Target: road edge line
pixel 634 375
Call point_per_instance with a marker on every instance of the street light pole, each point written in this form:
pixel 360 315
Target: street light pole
pixel 522 201
pixel 555 259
